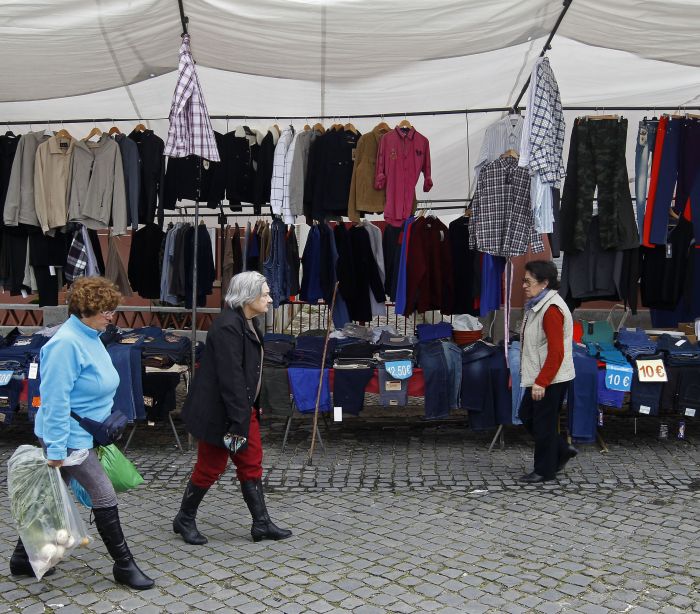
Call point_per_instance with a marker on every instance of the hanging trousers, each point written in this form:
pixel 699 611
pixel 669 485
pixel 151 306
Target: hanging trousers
pixel 212 460
pixel 540 418
pixel 666 173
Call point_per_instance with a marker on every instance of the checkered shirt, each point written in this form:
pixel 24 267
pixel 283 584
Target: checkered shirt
pixel 190 130
pixel 546 126
pixel 77 261
pixel 501 223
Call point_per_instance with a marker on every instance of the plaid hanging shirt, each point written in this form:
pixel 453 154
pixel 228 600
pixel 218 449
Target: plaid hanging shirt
pixel 501 223
pixel 77 261
pixel 190 130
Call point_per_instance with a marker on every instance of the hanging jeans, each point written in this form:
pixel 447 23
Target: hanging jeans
pixel 516 391
pixel 582 399
pixel 688 191
pixel 212 460
pixel 437 378
pixel 646 138
pixel 660 200
pixel 349 388
pixel 129 396
pixel 392 392
pixel 304 386
pixel 541 419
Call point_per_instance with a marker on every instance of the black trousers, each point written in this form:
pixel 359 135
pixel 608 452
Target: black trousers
pixel 540 420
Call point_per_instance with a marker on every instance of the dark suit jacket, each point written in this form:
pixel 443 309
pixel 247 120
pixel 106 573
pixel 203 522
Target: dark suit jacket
pixel 223 392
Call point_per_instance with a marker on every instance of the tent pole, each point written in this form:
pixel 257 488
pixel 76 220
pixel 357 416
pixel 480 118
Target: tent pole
pixel 547 47
pixel 184 19
pixel 195 250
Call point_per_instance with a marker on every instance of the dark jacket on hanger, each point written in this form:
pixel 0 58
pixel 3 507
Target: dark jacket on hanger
pixel 144 272
pixel 131 163
pixel 8 148
pixel 151 148
pixel 331 172
pixel 466 269
pixel 183 176
pixel 239 160
pixel 206 271
pixel 293 263
pixel 664 269
pixel 224 391
pixel 263 177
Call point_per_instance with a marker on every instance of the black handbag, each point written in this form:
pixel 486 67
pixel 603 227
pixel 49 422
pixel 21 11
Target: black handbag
pixel 104 433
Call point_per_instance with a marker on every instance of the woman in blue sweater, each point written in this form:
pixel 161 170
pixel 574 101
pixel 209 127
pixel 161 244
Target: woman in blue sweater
pixel 77 375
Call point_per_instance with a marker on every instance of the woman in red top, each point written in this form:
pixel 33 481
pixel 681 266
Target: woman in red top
pixel 546 368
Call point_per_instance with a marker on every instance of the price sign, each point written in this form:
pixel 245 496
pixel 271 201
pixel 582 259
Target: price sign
pixel 618 377
pixel 651 370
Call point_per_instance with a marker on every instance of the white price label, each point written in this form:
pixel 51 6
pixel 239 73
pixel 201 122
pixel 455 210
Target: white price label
pixel 337 414
pixel 651 370
pixel 690 412
pixel 24 293
pixel 644 409
pixel 52 271
pixel 33 370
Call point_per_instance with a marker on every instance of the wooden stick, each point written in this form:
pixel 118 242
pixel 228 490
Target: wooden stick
pixel 320 379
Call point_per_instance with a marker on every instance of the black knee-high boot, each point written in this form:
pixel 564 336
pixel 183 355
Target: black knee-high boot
pixel 263 527
pixel 184 523
pixel 125 569
pixel 20 565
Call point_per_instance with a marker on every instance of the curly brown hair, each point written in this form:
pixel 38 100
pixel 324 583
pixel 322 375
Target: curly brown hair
pixel 90 295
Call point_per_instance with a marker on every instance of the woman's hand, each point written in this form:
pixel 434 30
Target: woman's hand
pixel 55 463
pixel 537 392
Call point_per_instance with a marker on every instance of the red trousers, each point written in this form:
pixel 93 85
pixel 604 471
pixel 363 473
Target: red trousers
pixel 212 460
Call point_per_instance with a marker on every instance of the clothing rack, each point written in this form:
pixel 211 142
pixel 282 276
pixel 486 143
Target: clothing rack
pixel 466 111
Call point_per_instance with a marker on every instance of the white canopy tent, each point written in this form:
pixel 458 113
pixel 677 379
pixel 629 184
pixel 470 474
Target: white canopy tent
pixel 69 59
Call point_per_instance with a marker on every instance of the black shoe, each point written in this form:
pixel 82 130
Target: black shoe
pixel 532 478
pixel 184 523
pixel 570 453
pixel 20 565
pixel 125 569
pixel 263 527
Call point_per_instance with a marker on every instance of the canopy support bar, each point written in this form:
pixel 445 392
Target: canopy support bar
pixel 183 18
pixel 547 47
pixel 105 120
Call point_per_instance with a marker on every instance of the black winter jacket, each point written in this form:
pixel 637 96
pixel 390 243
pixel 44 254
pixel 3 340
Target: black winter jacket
pixel 223 392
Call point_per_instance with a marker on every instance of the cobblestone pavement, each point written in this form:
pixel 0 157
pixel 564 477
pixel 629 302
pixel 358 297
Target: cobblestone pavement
pixel 409 518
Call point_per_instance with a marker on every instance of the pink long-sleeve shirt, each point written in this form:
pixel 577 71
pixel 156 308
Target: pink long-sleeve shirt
pixel 401 158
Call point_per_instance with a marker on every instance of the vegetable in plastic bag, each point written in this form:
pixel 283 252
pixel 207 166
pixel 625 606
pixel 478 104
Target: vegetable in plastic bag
pixel 46 518
pixel 119 469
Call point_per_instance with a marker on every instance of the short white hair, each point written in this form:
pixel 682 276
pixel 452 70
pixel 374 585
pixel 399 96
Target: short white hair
pixel 244 288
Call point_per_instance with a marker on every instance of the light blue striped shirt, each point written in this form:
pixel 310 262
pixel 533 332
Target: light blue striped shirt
pixel 500 136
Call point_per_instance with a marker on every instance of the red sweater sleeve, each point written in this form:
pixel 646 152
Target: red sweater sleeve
pixel 553 324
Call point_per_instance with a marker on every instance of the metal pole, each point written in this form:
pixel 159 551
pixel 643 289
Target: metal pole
pixel 547 47
pixel 195 249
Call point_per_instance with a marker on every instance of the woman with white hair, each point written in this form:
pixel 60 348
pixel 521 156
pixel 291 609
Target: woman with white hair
pixel 221 410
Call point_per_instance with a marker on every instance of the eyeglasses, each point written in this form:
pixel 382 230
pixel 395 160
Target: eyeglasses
pixel 527 282
pixel 107 314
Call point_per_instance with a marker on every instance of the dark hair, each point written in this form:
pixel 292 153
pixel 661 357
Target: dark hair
pixel 544 270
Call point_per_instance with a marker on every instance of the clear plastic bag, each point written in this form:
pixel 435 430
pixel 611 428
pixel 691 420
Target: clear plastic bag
pixel 46 518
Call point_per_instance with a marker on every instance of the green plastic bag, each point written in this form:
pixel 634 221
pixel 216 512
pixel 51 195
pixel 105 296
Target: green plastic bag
pixel 118 468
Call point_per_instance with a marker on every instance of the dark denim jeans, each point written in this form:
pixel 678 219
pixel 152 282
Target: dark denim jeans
pixel 438 389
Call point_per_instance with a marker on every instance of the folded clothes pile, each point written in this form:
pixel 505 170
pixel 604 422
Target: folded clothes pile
pixel 279 349
pixel 633 343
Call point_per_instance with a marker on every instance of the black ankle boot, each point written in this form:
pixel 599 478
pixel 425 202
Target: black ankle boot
pixel 20 565
pixel 125 570
pixel 263 527
pixel 184 523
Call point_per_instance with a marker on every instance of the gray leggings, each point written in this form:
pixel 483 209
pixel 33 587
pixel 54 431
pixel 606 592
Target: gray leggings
pixel 92 477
